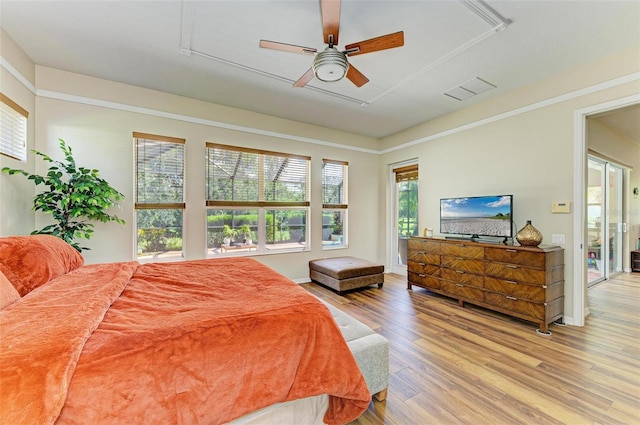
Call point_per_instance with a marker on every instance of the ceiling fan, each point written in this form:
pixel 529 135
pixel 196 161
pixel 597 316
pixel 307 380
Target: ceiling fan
pixel 331 64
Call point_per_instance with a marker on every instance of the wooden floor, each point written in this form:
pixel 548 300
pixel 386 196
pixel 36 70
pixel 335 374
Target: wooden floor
pixel 453 365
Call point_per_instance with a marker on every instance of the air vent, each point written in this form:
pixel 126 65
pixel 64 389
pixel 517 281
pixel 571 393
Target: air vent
pixel 469 89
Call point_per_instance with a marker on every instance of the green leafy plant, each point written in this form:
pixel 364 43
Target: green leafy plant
pixel 229 232
pixel 337 224
pixel 75 196
pixel 246 231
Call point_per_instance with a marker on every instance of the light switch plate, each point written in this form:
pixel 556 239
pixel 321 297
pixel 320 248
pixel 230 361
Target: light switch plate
pixel 557 239
pixel 561 207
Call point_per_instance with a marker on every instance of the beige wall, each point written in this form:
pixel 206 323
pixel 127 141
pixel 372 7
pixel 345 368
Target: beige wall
pixel 16 193
pixel 521 143
pixel 97 118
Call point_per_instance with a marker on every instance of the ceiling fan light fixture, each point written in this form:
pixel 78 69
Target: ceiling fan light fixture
pixel 330 65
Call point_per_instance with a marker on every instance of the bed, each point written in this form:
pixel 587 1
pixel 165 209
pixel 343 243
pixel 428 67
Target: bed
pixel 192 342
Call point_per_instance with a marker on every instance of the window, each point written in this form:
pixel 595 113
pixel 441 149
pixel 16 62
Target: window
pixel 159 195
pixel 13 129
pixel 334 204
pixel 257 201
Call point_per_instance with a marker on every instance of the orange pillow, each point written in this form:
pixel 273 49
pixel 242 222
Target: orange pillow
pixel 31 261
pixel 8 294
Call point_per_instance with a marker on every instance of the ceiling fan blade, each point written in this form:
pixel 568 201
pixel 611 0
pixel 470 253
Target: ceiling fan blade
pixel 383 42
pixel 306 77
pixel 287 47
pixel 356 77
pixel 330 20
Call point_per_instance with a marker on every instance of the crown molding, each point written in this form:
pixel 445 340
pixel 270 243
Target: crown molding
pixel 218 124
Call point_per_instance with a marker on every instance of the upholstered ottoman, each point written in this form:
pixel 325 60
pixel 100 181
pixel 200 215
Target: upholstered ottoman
pixel 344 273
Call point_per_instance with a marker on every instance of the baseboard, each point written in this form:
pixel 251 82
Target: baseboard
pixel 302 280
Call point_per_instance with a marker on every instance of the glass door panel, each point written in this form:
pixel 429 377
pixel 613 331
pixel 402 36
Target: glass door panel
pixel 614 213
pixel 405 213
pixel 604 220
pixel 595 209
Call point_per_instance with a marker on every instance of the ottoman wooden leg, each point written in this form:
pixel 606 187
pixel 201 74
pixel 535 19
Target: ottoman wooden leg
pixel 381 396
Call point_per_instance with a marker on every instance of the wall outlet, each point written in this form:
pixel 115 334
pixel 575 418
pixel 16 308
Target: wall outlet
pixel 557 239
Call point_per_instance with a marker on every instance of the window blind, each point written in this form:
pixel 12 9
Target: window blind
pixel 410 172
pixel 159 172
pixel 334 187
pixel 13 129
pixel 248 177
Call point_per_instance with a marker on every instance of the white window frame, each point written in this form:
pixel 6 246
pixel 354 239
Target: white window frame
pixel 262 206
pixel 139 206
pixel 342 208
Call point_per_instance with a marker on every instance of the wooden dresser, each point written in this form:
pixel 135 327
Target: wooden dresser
pixel 525 282
pixel 635 260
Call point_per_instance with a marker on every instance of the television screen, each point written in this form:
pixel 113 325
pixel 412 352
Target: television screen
pixel 477 216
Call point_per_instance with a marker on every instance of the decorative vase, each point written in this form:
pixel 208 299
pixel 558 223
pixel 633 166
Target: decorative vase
pixel 529 235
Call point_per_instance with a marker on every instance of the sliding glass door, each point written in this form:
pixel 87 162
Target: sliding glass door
pixel 405 205
pixel 604 220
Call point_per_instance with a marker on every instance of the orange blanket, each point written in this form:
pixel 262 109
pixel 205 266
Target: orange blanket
pixel 192 342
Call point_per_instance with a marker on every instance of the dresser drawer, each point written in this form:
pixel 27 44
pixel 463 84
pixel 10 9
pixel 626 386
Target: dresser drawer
pixel 515 256
pixel 459 290
pixel 464 264
pixel 513 288
pixel 424 245
pixel 423 280
pixel 459 276
pixel 514 272
pixel 462 250
pixel 424 257
pixel 423 268
pixel 530 309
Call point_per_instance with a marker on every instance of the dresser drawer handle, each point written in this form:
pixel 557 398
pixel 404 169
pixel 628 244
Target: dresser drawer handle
pixel 511 298
pixel 423 264
pixel 460 285
pixel 511 266
pixel 422 275
pixel 512 250
pixel 460 271
pixel 511 282
pixel 460 258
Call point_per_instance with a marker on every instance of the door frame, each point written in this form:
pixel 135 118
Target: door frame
pixel 579 306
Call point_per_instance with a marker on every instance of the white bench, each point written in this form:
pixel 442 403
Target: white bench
pixel 370 350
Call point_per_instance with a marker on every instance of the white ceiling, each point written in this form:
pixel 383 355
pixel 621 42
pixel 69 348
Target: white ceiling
pixel 209 50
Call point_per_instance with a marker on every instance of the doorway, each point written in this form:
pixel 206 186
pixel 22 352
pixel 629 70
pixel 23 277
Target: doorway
pixel 579 305
pixel 405 213
pixel 605 224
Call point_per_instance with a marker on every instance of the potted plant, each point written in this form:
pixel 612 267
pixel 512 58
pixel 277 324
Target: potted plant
pixel 229 235
pixel 74 196
pixel 246 234
pixel 337 228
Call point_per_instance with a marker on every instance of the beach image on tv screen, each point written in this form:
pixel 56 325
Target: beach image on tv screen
pixel 484 216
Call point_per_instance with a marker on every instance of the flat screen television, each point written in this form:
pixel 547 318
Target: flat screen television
pixel 477 216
